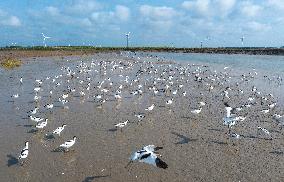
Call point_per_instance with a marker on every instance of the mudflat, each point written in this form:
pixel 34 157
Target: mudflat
pixel 196 146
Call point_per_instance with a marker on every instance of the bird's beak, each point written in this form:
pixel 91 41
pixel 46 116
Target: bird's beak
pixel 128 163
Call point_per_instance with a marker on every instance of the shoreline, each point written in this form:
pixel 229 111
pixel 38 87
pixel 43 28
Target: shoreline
pixel 19 53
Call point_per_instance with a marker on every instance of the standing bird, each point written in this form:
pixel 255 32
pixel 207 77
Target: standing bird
pixel 150 108
pixel 25 152
pixel 148 155
pixel 58 130
pixel 69 143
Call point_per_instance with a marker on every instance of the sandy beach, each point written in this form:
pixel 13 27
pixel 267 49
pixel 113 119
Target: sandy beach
pixel 196 147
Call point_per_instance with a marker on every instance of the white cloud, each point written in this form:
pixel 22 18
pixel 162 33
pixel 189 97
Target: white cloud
pixel 201 7
pixel 250 9
pixel 53 11
pixel 9 20
pixel 157 13
pixel 258 27
pixel 276 3
pixel 84 6
pixel 225 6
pixel 122 12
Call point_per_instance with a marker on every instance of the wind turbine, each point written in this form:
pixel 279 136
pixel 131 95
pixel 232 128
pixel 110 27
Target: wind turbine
pixel 127 39
pixel 242 40
pixel 44 38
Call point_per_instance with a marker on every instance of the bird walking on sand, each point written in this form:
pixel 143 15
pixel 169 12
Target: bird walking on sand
pixel 196 111
pixel 68 143
pixel 24 152
pixel 150 108
pixel 148 155
pixel 58 130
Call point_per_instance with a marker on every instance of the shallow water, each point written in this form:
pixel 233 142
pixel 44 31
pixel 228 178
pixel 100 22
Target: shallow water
pixel 196 147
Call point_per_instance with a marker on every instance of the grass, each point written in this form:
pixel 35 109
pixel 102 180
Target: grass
pixel 11 63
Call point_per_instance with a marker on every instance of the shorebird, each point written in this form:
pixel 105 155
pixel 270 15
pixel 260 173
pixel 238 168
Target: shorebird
pixel 21 80
pixel 263 130
pixel 148 155
pixel 58 130
pixel 32 112
pixel 15 96
pixel 68 143
pixel 121 125
pixel 42 124
pixel 196 111
pixel 169 102
pixel 25 152
pixel 49 106
pixel 150 108
pixel 36 119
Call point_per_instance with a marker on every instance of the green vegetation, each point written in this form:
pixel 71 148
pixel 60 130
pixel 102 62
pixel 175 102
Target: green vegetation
pixel 11 63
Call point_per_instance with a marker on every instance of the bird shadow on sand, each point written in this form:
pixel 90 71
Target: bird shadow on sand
pixel 91 178
pixel 12 160
pixel 49 137
pixel 33 131
pixel 112 129
pixel 183 138
pixel 58 149
pixel 216 129
pixel 218 142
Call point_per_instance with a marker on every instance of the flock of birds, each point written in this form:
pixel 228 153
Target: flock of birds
pixel 148 76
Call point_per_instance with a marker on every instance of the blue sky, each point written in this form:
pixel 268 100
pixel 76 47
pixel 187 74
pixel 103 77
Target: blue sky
pixel 152 23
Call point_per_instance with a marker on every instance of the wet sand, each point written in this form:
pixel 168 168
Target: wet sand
pixel 195 146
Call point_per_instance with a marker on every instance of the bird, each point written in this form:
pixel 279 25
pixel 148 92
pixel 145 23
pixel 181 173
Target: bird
pixel 196 111
pixel 148 155
pixel 15 96
pixel 264 130
pixel 121 125
pixel 36 119
pixel 49 106
pixel 68 143
pixel 58 130
pixel 169 102
pixel 33 111
pixel 21 80
pixel 24 152
pixel 150 108
pixel 42 124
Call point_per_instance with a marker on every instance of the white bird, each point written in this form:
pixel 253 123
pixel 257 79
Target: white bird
pixel 148 155
pixel 69 143
pixel 263 130
pixel 196 111
pixel 21 80
pixel 36 119
pixel 121 125
pixel 117 96
pixel 37 89
pixel 139 116
pixel 49 106
pixel 58 130
pixel 150 108
pixel 42 124
pixel 33 111
pixel 15 96
pixel 25 152
pixel 169 101
pixel 64 96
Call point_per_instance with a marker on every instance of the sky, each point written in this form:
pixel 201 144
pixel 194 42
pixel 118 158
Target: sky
pixel 178 23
